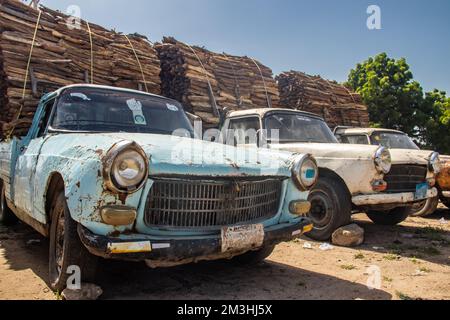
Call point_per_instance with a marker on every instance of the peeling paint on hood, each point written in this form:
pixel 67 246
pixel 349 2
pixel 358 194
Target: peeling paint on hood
pixel 171 155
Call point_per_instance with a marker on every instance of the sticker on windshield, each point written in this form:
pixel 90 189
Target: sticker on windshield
pixel 171 107
pixel 136 107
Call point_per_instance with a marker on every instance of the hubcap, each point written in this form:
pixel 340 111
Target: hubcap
pixel 59 245
pixel 321 209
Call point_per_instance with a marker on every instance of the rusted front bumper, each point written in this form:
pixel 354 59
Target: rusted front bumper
pixel 389 198
pixel 179 250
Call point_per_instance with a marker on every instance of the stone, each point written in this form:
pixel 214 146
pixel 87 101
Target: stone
pixel 348 236
pixel 88 291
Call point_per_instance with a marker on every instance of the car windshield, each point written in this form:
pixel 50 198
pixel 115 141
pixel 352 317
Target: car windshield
pixel 393 140
pixel 107 110
pixel 296 127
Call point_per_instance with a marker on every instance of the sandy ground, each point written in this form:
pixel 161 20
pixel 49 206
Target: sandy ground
pixel 409 261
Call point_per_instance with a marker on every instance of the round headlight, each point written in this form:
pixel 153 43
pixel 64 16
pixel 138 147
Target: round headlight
pixel 383 161
pixel 435 163
pixel 125 167
pixel 305 172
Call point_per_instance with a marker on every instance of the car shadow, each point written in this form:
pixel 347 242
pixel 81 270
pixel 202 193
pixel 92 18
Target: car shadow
pixel 429 243
pixel 224 280
pixel 26 249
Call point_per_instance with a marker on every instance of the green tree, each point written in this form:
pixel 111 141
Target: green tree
pixel 396 101
pixel 436 128
pixel 387 87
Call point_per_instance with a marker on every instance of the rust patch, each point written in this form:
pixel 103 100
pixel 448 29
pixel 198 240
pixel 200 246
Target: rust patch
pixel 99 152
pixel 78 184
pixel 115 234
pixel 123 197
pixel 443 179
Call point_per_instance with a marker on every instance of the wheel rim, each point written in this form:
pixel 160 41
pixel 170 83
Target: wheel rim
pixel 321 209
pixel 59 241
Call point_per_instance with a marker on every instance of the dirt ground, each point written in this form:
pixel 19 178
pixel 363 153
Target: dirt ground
pixel 411 261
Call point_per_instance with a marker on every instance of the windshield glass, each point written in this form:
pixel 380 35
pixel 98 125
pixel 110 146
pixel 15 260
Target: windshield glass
pixel 107 110
pixel 296 127
pixel 393 140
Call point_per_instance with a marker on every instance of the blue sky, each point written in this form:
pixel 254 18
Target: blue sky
pixel 323 37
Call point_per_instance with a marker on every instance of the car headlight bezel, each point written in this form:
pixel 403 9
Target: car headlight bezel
pixel 301 170
pixel 116 181
pixel 434 163
pixel 383 160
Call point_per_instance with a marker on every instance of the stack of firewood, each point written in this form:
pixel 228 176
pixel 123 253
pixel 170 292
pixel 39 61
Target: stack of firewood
pixel 62 56
pixel 336 103
pixel 207 82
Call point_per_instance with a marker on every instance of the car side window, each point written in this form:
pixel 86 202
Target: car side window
pixel 354 139
pixel 43 124
pixel 245 129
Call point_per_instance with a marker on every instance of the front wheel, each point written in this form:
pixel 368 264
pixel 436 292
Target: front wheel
pixel 425 208
pixel 67 254
pixel 391 217
pixel 330 208
pixel 254 257
pixel 7 217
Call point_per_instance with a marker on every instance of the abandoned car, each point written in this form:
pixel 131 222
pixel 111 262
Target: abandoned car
pixel 352 177
pixel 398 140
pixel 100 170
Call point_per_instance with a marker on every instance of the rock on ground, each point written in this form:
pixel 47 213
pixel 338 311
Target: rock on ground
pixel 88 291
pixel 348 236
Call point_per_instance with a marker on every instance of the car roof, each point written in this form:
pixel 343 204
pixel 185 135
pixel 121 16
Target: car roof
pixel 263 111
pixel 369 131
pixel 109 88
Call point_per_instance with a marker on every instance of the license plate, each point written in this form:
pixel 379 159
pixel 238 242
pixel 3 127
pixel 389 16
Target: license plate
pixel 241 238
pixel 421 191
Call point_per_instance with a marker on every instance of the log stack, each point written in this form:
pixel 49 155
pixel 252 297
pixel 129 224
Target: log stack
pixel 334 102
pixel 206 82
pixel 62 56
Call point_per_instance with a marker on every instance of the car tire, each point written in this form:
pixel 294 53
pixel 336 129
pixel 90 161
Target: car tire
pixel 7 217
pixel 391 217
pixel 254 257
pixel 66 249
pixel 425 208
pixel 331 208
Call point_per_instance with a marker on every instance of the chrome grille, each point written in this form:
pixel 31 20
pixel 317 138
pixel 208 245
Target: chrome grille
pixel 405 178
pixel 204 203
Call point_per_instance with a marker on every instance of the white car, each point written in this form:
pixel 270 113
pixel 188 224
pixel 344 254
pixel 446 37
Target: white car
pixel 391 139
pixel 352 178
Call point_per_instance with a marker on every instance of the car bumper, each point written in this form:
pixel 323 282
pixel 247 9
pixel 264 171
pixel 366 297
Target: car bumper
pixel 446 194
pixel 179 250
pixel 387 198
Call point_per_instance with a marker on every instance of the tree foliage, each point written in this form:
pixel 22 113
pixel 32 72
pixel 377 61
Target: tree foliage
pixel 396 101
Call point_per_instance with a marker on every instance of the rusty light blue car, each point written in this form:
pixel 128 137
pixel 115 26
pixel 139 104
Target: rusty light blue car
pixel 100 172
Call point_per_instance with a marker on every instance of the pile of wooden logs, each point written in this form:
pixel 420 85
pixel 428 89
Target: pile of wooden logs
pixel 336 103
pixel 206 82
pixel 63 54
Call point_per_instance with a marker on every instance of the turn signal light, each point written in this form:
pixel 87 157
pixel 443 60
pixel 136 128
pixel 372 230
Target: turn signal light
pixel 379 185
pixel 300 208
pixel 118 215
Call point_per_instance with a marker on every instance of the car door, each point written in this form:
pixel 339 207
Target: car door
pixel 29 150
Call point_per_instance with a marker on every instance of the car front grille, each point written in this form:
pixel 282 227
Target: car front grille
pixel 405 178
pixel 176 203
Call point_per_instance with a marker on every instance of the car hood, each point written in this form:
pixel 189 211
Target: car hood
pixel 406 156
pixel 330 150
pixel 355 152
pixel 171 155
